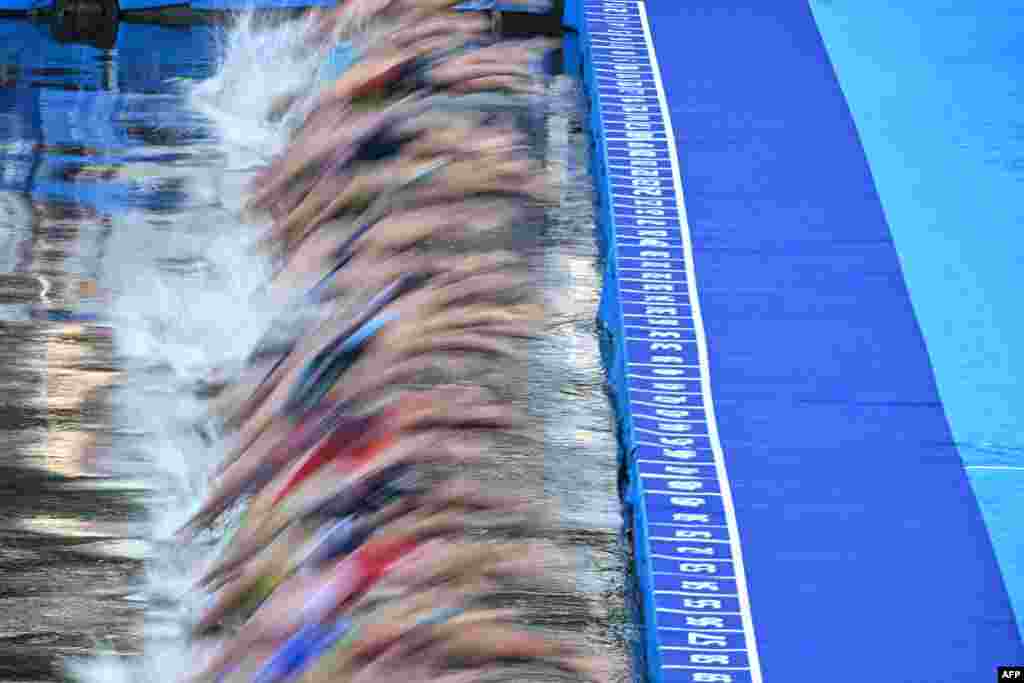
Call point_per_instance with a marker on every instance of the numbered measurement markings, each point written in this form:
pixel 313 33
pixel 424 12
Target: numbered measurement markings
pixel 701 629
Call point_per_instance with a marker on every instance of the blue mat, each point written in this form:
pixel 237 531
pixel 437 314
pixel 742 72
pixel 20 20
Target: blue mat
pixel 845 544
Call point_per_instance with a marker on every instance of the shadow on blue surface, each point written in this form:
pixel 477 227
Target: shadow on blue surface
pixel 940 114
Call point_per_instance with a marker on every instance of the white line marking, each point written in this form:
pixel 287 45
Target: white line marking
pixel 667 406
pixel 652 139
pixel 699 649
pixel 668 419
pixel 681 494
pixel 702 352
pixel 716 668
pixel 701 629
pixel 665 365
pixel 660 445
pixel 651 475
pixel 993 467
pixel 649 280
pixel 670 435
pixel 664 378
pixel 677 319
pixel 631 197
pixel 628 167
pixel 672 245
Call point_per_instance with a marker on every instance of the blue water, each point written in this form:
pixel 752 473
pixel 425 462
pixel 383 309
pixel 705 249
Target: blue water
pixel 118 173
pixel 66 107
pixel 937 93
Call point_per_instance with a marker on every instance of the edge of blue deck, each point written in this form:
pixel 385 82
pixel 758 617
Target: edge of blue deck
pixel 866 552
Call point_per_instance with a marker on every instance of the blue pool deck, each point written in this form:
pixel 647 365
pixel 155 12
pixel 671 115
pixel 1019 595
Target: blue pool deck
pixel 799 508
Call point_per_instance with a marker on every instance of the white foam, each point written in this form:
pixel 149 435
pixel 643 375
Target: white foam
pixel 189 299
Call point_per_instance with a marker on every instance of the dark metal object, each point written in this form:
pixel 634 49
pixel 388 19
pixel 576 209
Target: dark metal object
pixel 93 22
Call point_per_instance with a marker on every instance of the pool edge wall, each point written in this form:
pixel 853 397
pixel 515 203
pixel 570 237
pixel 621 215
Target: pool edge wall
pixel 668 478
pixel 944 615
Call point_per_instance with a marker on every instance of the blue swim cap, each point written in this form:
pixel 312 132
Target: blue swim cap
pixel 338 61
pixel 320 374
pixel 300 650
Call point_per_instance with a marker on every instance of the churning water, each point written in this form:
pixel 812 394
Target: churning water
pixel 123 179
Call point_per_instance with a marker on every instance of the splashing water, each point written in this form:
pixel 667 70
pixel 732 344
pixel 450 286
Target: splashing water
pixel 190 303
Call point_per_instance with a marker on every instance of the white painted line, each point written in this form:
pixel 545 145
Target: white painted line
pixel 680 477
pixel 714 668
pixel 654 317
pixel 702 352
pixel 692 526
pixel 627 167
pixel 659 270
pixel 681 494
pixel 664 365
pixel 701 629
pixel 667 406
pixel 653 139
pixel 994 467
pixel 661 445
pixel 671 435
pixel 667 207
pixel 700 649
pixel 649 280
pixel 665 378
pixel 669 419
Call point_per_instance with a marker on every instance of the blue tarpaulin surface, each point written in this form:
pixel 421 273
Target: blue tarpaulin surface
pixel 845 543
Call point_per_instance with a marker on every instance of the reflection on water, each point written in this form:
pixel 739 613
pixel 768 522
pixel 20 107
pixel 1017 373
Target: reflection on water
pixel 74 122
pixel 121 275
pixel 580 448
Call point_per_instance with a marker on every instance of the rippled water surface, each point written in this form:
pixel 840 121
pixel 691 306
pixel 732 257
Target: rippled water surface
pixel 125 274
